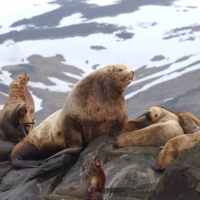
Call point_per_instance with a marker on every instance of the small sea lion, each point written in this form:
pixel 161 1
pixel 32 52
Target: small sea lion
pixel 175 146
pixel 20 94
pixel 164 126
pixel 92 184
pixel 17 115
pixel 9 135
pixel 95 106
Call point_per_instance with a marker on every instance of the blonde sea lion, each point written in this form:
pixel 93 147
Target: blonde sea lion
pixel 16 117
pixel 95 106
pixel 164 126
pixel 92 184
pixel 175 146
pixel 139 122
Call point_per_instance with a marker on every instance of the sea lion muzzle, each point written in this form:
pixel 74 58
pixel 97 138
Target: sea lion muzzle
pixel 21 129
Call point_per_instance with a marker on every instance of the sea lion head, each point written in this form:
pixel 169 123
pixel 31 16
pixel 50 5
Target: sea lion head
pixel 153 114
pixel 21 114
pixel 187 124
pixel 119 76
pixel 20 81
pixel 95 163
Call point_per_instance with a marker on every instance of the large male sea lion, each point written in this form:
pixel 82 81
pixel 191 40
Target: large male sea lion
pixel 175 146
pixel 16 117
pixel 164 126
pixel 95 106
pixel 92 184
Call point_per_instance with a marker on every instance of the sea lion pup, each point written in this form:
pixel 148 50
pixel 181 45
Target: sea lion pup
pixel 9 133
pixel 95 106
pixel 164 126
pixel 190 115
pixel 176 145
pixel 92 184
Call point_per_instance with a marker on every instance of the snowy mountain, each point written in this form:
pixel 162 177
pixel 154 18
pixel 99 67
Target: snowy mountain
pixel 58 42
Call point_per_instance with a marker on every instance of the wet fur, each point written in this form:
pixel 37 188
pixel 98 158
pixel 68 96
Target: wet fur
pixel 92 184
pixel 164 126
pixel 175 146
pixel 95 106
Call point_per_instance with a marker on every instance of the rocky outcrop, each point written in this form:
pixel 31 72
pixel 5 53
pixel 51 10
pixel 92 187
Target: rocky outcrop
pixel 128 174
pixel 181 180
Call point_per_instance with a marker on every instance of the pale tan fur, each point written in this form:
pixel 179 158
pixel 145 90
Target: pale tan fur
pixel 175 146
pixel 95 106
pixel 164 126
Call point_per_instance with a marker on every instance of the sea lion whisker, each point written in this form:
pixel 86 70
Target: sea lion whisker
pixel 141 116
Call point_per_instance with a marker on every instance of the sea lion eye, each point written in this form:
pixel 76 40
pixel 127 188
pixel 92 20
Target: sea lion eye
pixel 156 115
pixel 120 70
pixel 20 77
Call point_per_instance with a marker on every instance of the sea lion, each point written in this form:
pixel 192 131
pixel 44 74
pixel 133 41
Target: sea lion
pixel 164 126
pixel 95 106
pixel 175 146
pixel 190 115
pixel 19 94
pixel 92 184
pixel 16 117
pixel 9 125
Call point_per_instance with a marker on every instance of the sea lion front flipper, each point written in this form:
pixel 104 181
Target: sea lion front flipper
pixel 154 164
pixel 75 150
pixel 21 129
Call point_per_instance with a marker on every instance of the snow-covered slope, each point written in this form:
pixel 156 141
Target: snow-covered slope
pixel 58 42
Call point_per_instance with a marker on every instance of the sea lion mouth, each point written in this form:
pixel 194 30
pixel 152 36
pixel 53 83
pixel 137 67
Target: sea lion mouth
pixel 127 80
pixel 97 162
pixel 98 165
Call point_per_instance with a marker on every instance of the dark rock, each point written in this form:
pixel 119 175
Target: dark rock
pixel 181 180
pixel 128 174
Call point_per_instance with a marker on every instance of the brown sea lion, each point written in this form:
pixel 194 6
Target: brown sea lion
pixel 190 115
pixel 9 125
pixel 175 146
pixel 95 106
pixel 92 184
pixel 15 117
pixel 19 94
pixel 164 126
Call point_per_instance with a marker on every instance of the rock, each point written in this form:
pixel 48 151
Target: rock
pixel 181 179
pixel 128 174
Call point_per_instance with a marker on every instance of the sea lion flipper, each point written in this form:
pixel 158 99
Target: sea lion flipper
pixel 154 164
pixel 75 150
pixel 21 129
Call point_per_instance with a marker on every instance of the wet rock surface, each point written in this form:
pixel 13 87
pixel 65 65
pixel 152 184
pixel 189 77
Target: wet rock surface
pixel 128 174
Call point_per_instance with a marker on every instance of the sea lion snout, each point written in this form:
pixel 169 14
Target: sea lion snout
pixel 148 115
